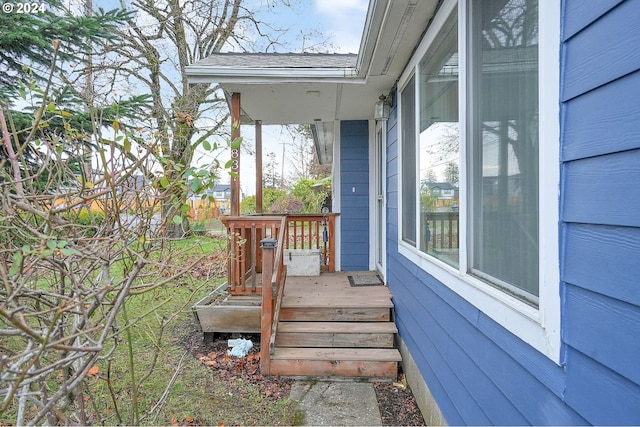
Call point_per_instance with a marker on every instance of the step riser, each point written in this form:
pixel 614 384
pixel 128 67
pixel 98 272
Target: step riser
pixel 335 368
pixel 335 314
pixel 301 339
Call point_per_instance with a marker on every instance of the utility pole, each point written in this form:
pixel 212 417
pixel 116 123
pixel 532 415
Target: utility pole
pixel 282 172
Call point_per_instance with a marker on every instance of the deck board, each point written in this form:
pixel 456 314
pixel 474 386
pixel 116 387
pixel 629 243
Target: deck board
pixel 334 301
pixel 338 327
pixel 335 354
pixel 333 290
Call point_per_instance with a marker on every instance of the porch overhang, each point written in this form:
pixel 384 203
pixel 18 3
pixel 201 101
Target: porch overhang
pixel 310 88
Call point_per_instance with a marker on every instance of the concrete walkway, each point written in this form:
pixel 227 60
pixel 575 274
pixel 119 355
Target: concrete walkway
pixel 336 403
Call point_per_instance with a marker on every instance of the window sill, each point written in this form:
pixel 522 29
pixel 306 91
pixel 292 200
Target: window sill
pixel 518 317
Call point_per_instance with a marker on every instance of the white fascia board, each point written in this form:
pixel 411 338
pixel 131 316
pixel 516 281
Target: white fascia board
pixel 272 75
pixel 376 14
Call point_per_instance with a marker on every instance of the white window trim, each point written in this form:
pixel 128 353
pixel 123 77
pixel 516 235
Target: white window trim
pixel 374 176
pixel 539 327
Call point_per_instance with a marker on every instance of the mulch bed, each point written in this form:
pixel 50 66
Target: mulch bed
pixel 397 404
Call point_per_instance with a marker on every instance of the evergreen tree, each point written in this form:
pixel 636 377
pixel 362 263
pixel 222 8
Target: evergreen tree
pixel 37 51
pixel 26 39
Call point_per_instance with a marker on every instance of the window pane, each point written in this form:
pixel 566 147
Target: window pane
pixel 439 149
pixel 408 126
pixel 505 144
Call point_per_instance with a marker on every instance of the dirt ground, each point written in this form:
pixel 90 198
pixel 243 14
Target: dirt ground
pixel 397 403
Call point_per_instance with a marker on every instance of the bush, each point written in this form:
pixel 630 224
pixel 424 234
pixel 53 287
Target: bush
pixel 88 222
pixel 198 228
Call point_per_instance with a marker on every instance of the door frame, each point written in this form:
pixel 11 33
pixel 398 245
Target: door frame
pixel 378 196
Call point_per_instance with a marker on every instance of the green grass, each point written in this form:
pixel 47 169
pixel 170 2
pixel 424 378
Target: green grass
pixel 199 244
pixel 195 395
pixel 203 226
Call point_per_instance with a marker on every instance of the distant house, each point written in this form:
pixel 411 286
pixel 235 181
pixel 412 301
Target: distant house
pixel 441 190
pixel 221 195
pixel 533 315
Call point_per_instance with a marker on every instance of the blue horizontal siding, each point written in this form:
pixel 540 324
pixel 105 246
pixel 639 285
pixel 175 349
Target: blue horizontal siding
pixel 606 330
pixel 579 15
pixel 442 381
pixel 354 205
pixel 603 52
pixel 602 396
pixel 357 201
pixel 603 189
pixel 593 131
pixel 600 198
pixel 603 259
pixel 543 369
pixel 498 389
pixel 436 387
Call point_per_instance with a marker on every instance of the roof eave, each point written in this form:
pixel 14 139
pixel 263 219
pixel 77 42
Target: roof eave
pixel 206 74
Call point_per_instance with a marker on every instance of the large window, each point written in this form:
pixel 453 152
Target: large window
pixel 474 149
pixel 504 143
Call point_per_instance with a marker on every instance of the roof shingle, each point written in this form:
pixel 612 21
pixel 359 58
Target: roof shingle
pixel 279 60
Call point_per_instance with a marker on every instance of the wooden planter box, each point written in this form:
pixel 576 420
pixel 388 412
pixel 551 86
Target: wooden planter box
pixel 219 312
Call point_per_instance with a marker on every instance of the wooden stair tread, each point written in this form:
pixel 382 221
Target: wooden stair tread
pixel 338 327
pixel 335 314
pixel 335 302
pixel 351 292
pixel 342 354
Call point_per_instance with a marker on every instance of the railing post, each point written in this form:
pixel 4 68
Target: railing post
pixel 268 246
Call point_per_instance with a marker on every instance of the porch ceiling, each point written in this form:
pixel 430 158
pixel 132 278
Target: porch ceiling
pixel 307 88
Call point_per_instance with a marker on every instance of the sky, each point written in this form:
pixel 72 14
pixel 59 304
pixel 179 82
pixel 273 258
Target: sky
pixel 342 20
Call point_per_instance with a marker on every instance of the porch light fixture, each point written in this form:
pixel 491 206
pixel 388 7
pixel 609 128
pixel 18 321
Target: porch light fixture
pixel 383 108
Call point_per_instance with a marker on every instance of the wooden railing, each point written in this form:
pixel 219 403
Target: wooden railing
pixel 274 274
pixel 441 230
pixel 313 231
pixel 245 254
pixel 256 245
pixel 302 231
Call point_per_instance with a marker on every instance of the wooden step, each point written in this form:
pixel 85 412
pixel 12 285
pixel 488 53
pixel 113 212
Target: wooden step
pixel 372 363
pixel 335 314
pixel 336 300
pixel 336 334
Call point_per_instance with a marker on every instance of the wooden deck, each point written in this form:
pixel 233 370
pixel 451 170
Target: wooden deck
pixel 320 326
pixel 327 328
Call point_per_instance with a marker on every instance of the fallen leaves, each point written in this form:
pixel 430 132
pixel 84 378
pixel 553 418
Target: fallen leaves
pixel 186 421
pixel 245 368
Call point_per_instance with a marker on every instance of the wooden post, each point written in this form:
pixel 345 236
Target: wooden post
pixel 259 166
pixel 235 154
pixel 332 243
pixel 268 253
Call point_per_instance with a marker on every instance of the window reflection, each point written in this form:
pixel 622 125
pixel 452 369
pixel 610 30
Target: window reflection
pixel 439 147
pixel 505 144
